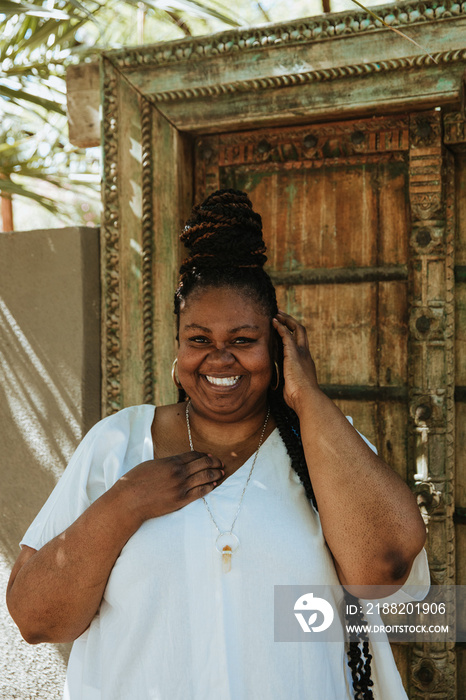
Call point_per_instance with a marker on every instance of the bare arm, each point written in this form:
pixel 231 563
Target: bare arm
pixel 369 516
pixel 54 593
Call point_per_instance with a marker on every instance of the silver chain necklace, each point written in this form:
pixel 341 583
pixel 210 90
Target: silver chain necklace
pixel 227 542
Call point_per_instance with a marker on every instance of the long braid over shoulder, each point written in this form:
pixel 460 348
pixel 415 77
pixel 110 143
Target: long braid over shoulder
pixel 224 240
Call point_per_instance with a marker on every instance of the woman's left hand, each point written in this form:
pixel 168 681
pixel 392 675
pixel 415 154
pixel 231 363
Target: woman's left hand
pixel 298 366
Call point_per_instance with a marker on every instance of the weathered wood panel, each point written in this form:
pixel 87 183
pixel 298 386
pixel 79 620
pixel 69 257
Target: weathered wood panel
pixel 83 104
pixel 131 245
pixel 392 344
pixel 341 321
pixel 172 198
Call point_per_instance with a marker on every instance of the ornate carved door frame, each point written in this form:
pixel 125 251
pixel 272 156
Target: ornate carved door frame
pixel 157 99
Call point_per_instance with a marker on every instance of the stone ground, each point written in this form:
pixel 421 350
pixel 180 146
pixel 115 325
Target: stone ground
pixel 27 672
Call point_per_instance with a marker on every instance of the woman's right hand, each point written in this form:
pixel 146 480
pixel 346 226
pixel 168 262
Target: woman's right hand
pixel 161 486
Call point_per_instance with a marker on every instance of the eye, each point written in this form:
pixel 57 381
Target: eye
pixel 199 339
pixel 244 341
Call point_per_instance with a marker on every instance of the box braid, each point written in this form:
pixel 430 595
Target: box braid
pixel 224 238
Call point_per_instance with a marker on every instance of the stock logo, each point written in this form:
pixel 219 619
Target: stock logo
pixel 313 605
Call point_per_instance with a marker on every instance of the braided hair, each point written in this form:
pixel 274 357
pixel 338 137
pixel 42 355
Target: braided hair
pixel 224 239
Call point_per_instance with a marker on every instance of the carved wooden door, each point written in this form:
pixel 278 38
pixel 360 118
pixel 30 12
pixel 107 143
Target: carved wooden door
pixel 358 214
pixel 358 218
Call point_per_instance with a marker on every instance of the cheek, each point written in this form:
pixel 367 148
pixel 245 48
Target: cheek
pixel 262 364
pixel 187 361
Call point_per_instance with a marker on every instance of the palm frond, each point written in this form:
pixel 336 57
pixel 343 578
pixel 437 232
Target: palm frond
pixel 82 8
pixel 37 41
pixel 191 8
pixel 20 94
pixel 11 149
pixel 9 8
pixel 13 188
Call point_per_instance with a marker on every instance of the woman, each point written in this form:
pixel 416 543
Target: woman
pixel 159 549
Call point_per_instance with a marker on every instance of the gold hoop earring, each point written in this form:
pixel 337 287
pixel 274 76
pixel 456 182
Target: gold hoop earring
pixel 274 388
pixel 174 377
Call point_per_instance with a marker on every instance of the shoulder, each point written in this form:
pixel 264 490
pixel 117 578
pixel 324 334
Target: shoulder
pixel 126 418
pixel 114 434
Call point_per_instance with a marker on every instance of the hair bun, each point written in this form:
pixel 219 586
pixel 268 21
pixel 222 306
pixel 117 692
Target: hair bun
pixel 224 231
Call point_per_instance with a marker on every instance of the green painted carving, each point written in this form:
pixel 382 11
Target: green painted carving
pixel 431 376
pixel 404 14
pixel 318 76
pixel 110 250
pixel 147 251
pixel 455 127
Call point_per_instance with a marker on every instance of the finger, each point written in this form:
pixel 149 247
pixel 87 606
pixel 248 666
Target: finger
pixel 287 334
pixel 285 315
pixel 206 476
pixel 281 329
pixel 297 330
pixel 289 321
pixel 201 462
pixel 199 492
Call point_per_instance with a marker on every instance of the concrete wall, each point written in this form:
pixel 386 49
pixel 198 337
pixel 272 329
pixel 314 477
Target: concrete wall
pixel 49 398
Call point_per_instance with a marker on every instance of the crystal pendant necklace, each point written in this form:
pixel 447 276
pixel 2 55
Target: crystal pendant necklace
pixel 227 542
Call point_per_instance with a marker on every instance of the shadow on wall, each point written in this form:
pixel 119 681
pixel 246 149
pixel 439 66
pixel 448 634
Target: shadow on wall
pixel 49 398
pixel 41 427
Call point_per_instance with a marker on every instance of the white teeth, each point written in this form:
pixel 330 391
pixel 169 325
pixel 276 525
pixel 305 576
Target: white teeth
pixel 223 381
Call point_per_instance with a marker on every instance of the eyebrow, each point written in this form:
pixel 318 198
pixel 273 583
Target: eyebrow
pixel 196 326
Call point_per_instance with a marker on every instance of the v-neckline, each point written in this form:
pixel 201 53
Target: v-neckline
pixel 229 478
pixel 228 481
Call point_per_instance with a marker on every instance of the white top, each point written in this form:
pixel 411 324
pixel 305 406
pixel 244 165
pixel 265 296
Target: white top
pixel 172 625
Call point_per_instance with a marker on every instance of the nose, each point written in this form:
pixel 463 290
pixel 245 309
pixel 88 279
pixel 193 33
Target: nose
pixel 221 355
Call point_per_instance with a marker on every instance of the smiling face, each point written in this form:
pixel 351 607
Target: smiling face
pixel 224 357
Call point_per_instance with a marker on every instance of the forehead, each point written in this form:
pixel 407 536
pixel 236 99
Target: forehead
pixel 223 307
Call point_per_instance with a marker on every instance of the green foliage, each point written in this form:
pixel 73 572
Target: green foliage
pixel 36 41
pixel 39 38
